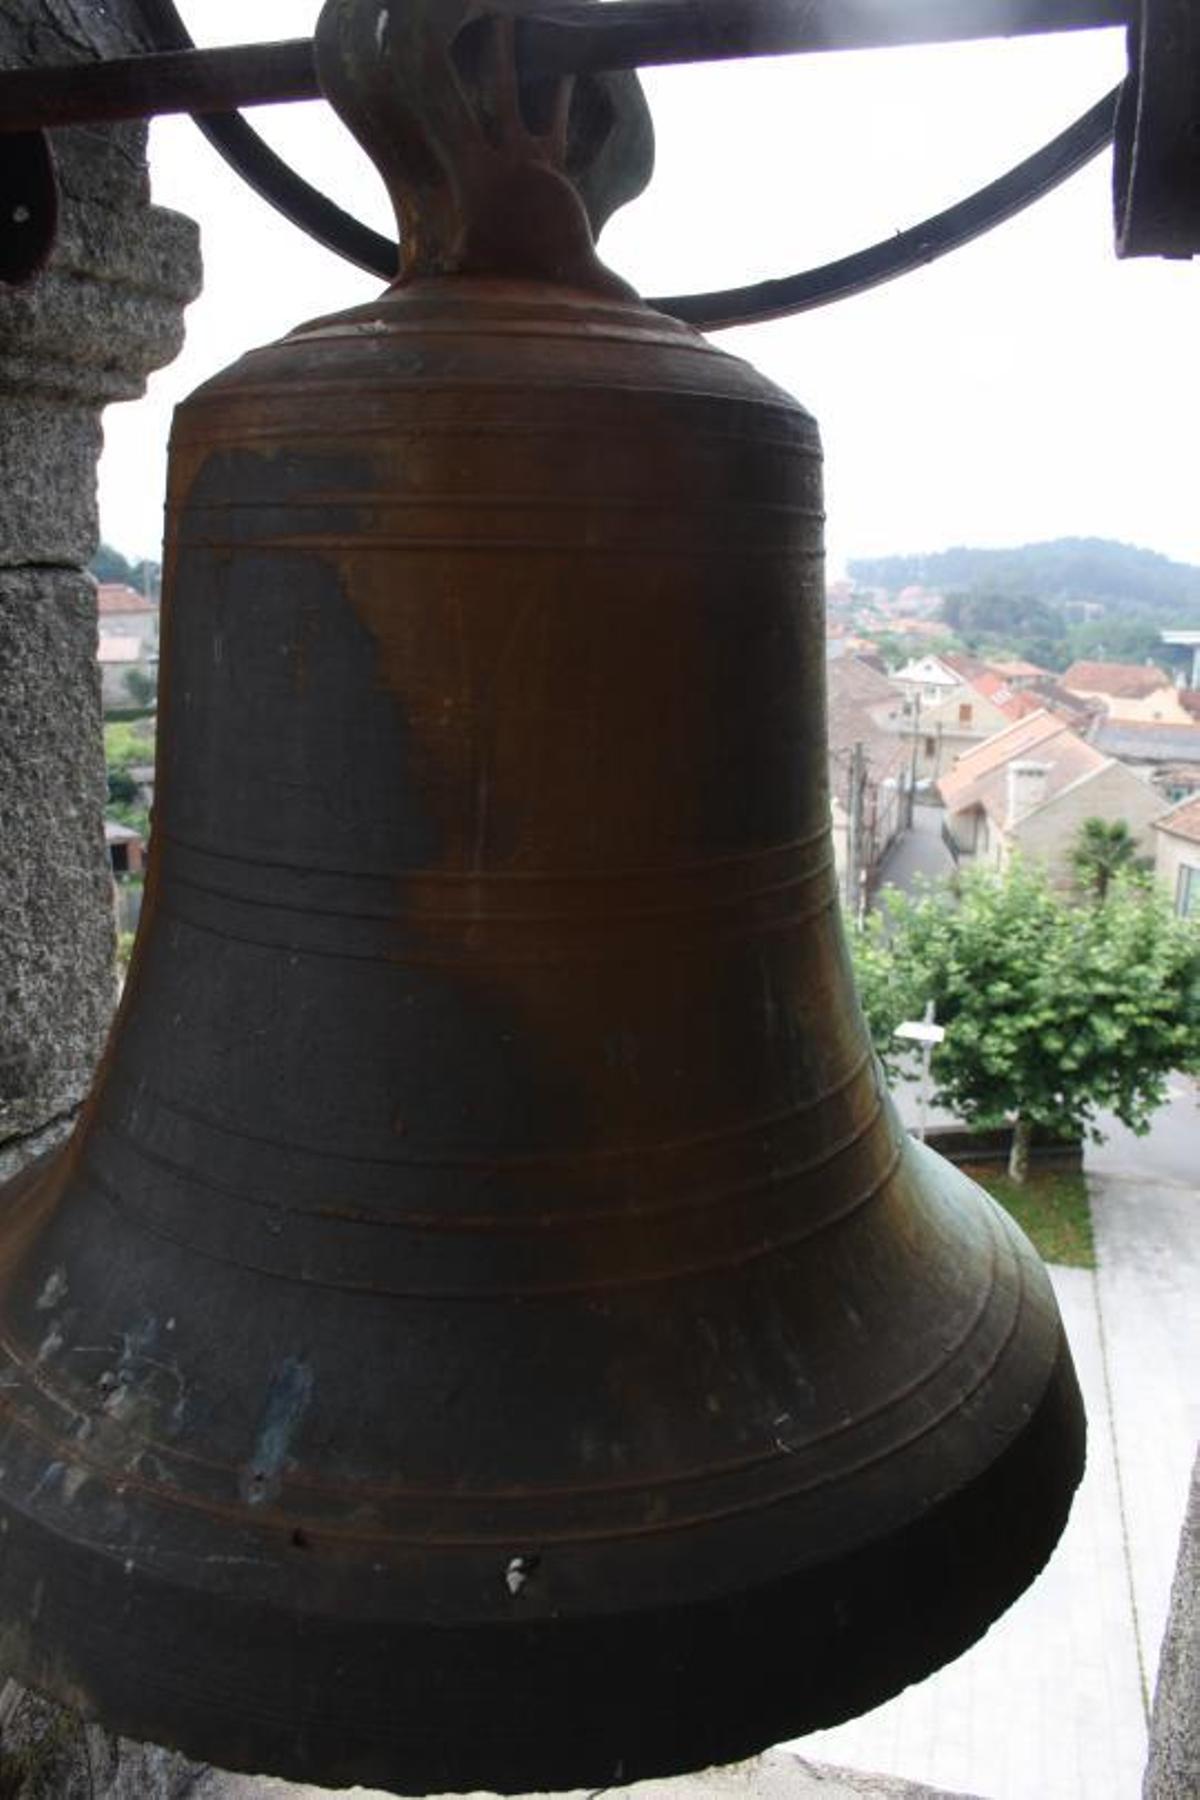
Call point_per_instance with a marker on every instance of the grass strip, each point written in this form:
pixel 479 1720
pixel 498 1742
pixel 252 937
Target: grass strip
pixel 1051 1208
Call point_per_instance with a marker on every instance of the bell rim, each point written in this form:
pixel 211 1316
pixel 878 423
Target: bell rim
pixel 744 1670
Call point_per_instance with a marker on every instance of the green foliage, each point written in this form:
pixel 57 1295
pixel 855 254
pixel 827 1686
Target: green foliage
pixel 127 742
pixel 1025 602
pixel 981 615
pixel 1104 849
pixel 1112 639
pixel 136 817
pixel 891 988
pixel 1051 1208
pixel 122 788
pixel 1061 570
pixel 1051 1011
pixel 896 648
pixel 141 687
pixel 109 565
pixel 1001 625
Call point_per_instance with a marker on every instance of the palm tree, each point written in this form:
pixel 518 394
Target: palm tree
pixel 1103 849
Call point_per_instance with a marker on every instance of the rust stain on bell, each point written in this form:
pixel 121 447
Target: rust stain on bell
pixel 538 1356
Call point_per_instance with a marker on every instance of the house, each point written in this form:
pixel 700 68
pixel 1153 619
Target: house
pixel 1168 756
pixel 126 848
pixel 1041 693
pixel 1177 855
pixel 929 679
pixel 943 711
pixel 119 657
pixel 123 612
pixel 1030 788
pixel 869 771
pixel 1018 673
pixel 1132 691
pixel 127 643
pixel 1188 644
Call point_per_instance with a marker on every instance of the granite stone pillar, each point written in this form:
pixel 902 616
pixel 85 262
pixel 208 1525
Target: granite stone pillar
pixel 1173 1772
pixel 107 310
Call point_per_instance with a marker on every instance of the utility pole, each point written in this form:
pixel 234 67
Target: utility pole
pixel 854 801
pixel 912 769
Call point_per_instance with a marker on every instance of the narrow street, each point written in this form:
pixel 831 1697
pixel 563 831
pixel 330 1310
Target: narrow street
pixel 919 853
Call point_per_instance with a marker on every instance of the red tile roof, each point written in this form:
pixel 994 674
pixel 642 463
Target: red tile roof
pixel 854 690
pixel 980 776
pixel 115 597
pixel 1182 820
pixel 1017 667
pixel 1127 681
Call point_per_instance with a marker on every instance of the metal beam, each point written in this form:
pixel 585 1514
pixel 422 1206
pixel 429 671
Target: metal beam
pixel 566 37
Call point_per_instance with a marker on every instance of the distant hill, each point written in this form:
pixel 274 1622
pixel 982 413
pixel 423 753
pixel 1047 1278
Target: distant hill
pixel 1062 570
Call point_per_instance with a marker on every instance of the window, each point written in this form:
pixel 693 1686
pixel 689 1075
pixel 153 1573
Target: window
pixel 1187 894
pixel 964 712
pixel 930 748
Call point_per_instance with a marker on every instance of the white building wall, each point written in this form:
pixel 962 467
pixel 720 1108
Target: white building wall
pixel 1177 866
pixel 1162 707
pixel 140 625
pixel 1113 793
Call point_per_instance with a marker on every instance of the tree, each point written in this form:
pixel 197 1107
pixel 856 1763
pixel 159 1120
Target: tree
pixel 122 788
pixel 109 565
pixel 1052 1012
pixel 141 687
pixel 1104 849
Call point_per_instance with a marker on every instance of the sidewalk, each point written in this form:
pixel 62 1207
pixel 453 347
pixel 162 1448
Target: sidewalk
pixel 1053 1703
pixel 1049 1705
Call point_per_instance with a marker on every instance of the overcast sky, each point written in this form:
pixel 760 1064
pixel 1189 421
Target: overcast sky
pixel 1029 386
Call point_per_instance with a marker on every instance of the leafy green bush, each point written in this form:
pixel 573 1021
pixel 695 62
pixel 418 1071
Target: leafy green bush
pixel 1051 1011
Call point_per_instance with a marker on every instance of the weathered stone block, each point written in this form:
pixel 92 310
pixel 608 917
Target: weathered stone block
pixel 56 945
pixel 107 310
pixel 1173 1772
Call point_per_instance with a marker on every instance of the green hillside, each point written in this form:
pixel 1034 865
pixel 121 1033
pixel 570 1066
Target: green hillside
pixel 1119 577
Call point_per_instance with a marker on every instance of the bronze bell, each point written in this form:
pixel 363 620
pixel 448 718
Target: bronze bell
pixel 489 1329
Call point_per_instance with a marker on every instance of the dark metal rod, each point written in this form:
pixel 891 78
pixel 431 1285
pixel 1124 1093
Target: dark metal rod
pixel 170 81
pixel 568 36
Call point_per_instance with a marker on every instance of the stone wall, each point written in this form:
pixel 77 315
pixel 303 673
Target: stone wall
pixel 107 310
pixel 1173 1772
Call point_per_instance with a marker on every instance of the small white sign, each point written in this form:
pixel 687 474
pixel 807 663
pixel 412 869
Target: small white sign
pixel 921 1031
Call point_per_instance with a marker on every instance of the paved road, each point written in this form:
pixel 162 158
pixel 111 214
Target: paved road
pixel 1171 1150
pixel 919 853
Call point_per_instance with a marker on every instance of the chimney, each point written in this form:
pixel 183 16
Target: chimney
pixel 1026 789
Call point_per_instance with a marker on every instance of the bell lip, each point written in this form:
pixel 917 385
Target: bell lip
pixel 497 1707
